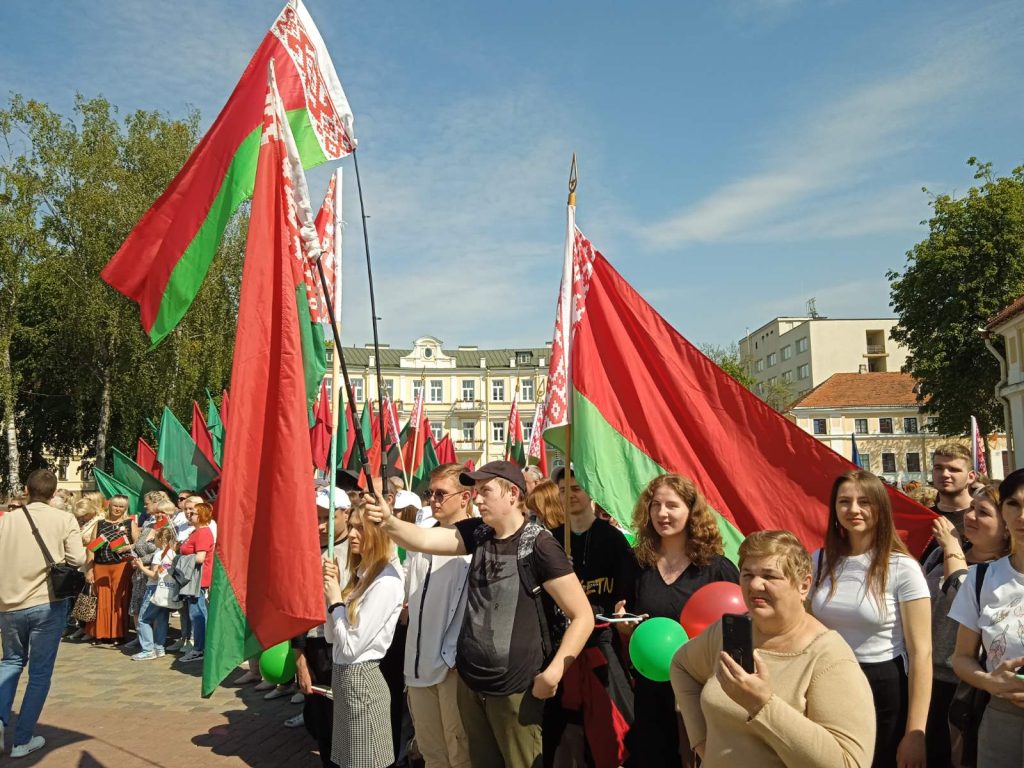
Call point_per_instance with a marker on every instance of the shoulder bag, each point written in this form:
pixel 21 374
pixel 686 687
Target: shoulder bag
pixel 66 580
pixel 969 703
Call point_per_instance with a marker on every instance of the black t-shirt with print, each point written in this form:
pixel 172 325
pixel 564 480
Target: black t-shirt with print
pixel 956 517
pixel 605 563
pixel 656 598
pixel 500 650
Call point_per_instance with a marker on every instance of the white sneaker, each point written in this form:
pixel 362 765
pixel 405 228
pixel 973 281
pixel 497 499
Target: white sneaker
pixel 35 743
pixel 248 677
pixel 159 651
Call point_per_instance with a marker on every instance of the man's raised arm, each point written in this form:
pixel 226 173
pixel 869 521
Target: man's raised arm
pixel 430 541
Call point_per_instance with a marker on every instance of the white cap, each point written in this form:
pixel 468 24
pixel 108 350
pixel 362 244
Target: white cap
pixel 341 499
pixel 405 499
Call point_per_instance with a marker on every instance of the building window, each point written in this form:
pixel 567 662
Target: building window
pixel 468 390
pixel 860 426
pixel 498 431
pixel 889 462
pixel 772 380
pixel 885 427
pixel 787 352
pixel 469 431
pixel 389 389
pixel 801 345
pixel 913 462
pixel 498 390
pixel 759 365
pixel 526 390
pixel 787 377
pixel 932 423
pixel 773 359
pixel 803 372
pixel 524 358
pixel 527 431
pixel 864 461
pixel 760 388
pixel 357 389
pixel 436 390
pixel 910 427
pixel 821 426
pixel 435 430
pixel 417 389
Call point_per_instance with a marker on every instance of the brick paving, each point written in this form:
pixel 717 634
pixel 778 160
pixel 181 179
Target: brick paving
pixel 106 711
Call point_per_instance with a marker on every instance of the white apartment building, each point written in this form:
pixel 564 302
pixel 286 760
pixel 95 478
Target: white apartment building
pixel 796 354
pixel 1009 323
pixel 468 390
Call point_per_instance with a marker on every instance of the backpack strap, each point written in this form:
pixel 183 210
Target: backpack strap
pixel 979 581
pixel 526 565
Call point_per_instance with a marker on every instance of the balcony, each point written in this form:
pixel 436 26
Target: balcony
pixel 469 445
pixel 875 349
pixel 468 405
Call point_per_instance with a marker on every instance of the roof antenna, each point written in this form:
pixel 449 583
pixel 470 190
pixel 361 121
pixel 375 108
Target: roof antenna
pixel 812 309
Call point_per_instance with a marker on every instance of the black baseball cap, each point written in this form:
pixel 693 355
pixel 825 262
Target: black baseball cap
pixel 503 469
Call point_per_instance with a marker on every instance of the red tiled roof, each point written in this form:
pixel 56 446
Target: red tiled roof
pixel 845 390
pixel 1015 308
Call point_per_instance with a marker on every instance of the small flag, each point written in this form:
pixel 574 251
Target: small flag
pixel 119 543
pixel 161 522
pixel 97 544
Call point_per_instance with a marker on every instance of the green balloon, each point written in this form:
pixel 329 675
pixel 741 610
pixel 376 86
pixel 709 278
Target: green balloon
pixel 277 664
pixel 653 645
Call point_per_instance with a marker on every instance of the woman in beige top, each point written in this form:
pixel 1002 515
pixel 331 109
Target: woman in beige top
pixel 807 703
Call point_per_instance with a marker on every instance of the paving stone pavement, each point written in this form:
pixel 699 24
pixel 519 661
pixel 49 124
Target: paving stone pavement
pixel 107 711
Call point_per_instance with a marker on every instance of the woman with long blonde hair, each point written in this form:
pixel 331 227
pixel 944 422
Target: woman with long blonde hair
pixel 545 502
pixel 361 621
pixel 870 590
pixel 679 550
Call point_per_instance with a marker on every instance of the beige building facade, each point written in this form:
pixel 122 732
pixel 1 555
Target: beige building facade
pixel 880 411
pixel 467 390
pixel 1009 324
pixel 796 354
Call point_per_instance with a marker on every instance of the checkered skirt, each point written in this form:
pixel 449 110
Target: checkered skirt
pixel 362 717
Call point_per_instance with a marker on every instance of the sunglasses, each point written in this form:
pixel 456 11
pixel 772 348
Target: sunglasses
pixel 439 497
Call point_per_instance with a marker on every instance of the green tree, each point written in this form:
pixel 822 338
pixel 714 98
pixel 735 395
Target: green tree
pixel 728 359
pixel 969 267
pixel 86 376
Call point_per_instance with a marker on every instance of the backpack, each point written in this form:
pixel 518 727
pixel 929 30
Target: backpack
pixel 553 621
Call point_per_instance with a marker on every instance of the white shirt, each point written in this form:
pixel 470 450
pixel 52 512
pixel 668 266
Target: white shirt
pixel 1000 620
pixel 182 527
pixel 875 633
pixel 435 589
pixel 158 559
pixel 377 618
pixel 213 530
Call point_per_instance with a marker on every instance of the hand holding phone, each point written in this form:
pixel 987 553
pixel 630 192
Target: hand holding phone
pixel 738 639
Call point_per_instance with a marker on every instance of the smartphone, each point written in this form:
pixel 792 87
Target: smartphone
pixel 617 618
pixel 738 639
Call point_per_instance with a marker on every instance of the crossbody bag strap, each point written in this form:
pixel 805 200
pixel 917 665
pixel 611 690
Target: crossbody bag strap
pixel 39 538
pixel 979 582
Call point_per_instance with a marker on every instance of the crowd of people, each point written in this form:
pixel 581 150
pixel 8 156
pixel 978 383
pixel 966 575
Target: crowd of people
pixel 460 632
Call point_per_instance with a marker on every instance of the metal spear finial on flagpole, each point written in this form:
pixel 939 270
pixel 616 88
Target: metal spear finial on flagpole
pixel 573 180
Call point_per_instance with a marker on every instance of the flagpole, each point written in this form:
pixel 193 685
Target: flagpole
pixel 567 542
pixel 335 390
pixel 373 318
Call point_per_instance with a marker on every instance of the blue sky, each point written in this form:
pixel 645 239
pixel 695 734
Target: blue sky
pixel 736 157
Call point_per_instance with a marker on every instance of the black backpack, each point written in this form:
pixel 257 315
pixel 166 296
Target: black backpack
pixel 553 621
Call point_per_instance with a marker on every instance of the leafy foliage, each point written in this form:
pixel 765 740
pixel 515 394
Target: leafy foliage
pixel 969 267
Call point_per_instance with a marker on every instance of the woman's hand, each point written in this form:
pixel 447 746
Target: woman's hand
pixel 946 535
pixel 911 751
pixel 1006 684
pixel 332 585
pixel 90 577
pixel 302 676
pixel 750 691
pixel 376 510
pixel 626 628
pixel 545 684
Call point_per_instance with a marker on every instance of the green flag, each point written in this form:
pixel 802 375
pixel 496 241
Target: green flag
pixel 111 487
pixel 421 479
pixel 183 464
pixel 342 420
pixel 366 427
pixel 216 426
pixel 131 475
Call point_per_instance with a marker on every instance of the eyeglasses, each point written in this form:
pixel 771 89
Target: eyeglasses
pixel 438 497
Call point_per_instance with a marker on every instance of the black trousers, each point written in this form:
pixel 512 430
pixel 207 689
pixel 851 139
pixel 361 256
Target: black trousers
pixel 318 711
pixel 888 681
pixel 936 735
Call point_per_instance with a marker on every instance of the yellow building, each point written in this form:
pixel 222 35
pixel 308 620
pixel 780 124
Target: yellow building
pixel 1009 323
pixel 881 411
pixel 467 390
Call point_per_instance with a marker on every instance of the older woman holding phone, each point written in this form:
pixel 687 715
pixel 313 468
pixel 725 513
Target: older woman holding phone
pixel 807 703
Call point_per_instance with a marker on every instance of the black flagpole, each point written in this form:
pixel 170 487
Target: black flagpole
pixel 376 342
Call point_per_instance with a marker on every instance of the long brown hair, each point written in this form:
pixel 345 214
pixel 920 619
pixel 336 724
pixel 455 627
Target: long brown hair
pixel 375 552
pixel 545 501
pixel 703 539
pixel 886 541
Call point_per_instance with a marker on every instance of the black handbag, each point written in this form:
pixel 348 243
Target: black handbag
pixel 968 704
pixel 66 580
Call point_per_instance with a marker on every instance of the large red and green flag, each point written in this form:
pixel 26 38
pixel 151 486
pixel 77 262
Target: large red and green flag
pixel 644 401
pixel 131 475
pixel 110 487
pixel 365 427
pixel 320 434
pixel 412 446
pixel 185 467
pixel 215 424
pixel 420 477
pixel 267 587
pixel 202 436
pixel 536 452
pixel 515 451
pixel 164 260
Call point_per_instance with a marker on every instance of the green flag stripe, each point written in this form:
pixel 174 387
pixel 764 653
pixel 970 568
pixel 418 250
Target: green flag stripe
pixel 110 486
pixel 188 274
pixel 614 472
pixel 229 638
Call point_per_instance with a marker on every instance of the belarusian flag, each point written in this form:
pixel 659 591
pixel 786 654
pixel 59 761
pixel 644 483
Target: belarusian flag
pixel 202 436
pixel 412 448
pixel 184 464
pixel 131 475
pixel 267 587
pixel 216 426
pixel 366 428
pixel 644 401
pixel 446 451
pixel 145 457
pixel 420 477
pixel 320 434
pixel 119 543
pixel 110 486
pixel 328 227
pixel 514 449
pixel 97 544
pixel 164 260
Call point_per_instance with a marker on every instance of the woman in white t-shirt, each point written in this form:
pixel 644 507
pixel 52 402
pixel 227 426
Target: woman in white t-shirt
pixel 870 590
pixel 996 622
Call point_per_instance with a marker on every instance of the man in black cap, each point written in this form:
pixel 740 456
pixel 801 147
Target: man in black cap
pixel 505 659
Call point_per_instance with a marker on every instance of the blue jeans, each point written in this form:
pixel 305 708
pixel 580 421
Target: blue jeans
pixel 197 615
pixel 30 636
pixel 153 622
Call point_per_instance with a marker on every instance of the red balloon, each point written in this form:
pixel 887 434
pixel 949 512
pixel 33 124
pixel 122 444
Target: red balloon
pixel 709 603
